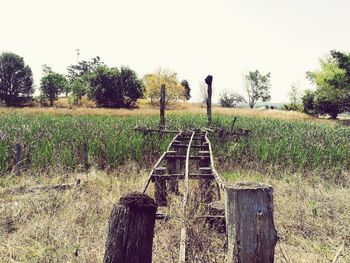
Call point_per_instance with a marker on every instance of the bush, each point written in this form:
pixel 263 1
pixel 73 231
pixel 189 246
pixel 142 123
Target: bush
pixel 115 89
pixel 230 99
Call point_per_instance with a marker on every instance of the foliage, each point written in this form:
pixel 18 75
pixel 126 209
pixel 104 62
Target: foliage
pixel 230 99
pixel 294 96
pixel 173 89
pixel 84 68
pixel 49 141
pixel 16 80
pixel 187 87
pixel 308 102
pixel 113 88
pixel 257 87
pixel 52 84
pixel 332 95
pixel 79 87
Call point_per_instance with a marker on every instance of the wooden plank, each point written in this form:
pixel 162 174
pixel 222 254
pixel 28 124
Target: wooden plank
pixel 158 162
pixel 183 237
pixel 182 176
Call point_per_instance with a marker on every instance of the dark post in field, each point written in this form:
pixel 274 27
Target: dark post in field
pixel 160 186
pixel 18 152
pixel 131 229
pixel 209 80
pixel 251 232
pixel 162 107
pixel 86 156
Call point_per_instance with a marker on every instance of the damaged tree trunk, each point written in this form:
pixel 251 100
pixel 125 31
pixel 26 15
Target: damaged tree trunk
pixel 251 233
pixel 131 229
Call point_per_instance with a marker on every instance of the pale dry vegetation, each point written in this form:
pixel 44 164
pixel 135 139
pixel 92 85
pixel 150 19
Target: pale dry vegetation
pixel 145 109
pixel 312 218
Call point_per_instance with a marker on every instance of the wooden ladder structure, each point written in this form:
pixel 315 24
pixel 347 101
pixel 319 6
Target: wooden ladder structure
pixel 188 157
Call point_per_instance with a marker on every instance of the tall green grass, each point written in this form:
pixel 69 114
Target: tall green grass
pixel 57 142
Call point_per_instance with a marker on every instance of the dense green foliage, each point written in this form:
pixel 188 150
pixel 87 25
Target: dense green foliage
pixel 52 84
pixel 114 88
pixel 332 95
pixel 57 141
pixel 16 80
pixel 257 87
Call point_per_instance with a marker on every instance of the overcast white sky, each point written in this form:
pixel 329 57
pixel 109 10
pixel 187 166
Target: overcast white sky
pixel 192 37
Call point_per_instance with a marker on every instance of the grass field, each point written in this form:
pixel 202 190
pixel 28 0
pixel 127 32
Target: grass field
pixel 306 161
pixel 57 140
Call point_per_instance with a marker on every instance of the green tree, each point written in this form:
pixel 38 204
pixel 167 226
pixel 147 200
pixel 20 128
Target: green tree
pixel 79 87
pixel 257 87
pixel 16 80
pixel 52 84
pixel 308 102
pixel 230 99
pixel 84 68
pixel 114 88
pixel 187 88
pixel 332 95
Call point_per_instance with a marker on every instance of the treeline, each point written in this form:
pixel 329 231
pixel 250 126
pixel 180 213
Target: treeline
pixel 107 86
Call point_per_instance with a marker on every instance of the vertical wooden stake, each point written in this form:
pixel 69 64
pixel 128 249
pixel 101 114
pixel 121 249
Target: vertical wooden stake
pixel 86 156
pixel 209 80
pixel 162 107
pixel 233 123
pixel 251 233
pixel 131 230
pixel 172 169
pixel 18 152
pixel 160 187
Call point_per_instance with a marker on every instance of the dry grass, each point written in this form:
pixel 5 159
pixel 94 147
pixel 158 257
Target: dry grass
pixel 179 108
pixel 312 218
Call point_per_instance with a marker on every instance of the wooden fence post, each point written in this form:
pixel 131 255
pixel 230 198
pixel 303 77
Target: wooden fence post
pixel 160 187
pixel 209 80
pixel 251 233
pixel 162 107
pixel 131 230
pixel 18 151
pixel 86 156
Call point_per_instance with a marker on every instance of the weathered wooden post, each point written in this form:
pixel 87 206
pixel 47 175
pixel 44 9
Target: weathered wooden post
pixel 86 156
pixel 160 192
pixel 251 233
pixel 172 169
pixel 162 107
pixel 233 123
pixel 18 151
pixel 131 229
pixel 209 80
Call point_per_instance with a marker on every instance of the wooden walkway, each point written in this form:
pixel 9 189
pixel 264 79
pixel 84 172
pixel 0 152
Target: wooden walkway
pixel 188 157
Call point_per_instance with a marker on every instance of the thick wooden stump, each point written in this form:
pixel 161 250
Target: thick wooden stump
pixel 252 236
pixel 131 229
